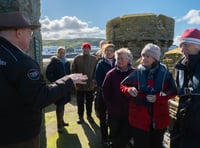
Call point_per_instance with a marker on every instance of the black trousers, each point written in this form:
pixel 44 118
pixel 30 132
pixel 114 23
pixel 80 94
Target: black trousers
pixel 103 119
pixel 183 139
pixel 188 141
pixel 60 114
pixel 84 97
pixel 119 131
pixel 148 139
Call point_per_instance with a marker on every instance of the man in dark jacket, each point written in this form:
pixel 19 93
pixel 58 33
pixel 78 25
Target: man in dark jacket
pixel 186 130
pixel 23 91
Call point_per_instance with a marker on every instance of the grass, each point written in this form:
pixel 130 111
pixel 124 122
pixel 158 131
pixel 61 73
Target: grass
pixel 74 136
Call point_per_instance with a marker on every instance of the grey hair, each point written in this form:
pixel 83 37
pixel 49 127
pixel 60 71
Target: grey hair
pixel 125 51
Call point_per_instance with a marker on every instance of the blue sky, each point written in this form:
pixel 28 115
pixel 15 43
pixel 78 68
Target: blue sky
pixel 87 18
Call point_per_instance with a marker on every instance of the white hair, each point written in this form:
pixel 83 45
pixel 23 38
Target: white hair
pixel 125 51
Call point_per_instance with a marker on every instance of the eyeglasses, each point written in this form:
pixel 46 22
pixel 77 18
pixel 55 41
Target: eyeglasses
pixel 28 31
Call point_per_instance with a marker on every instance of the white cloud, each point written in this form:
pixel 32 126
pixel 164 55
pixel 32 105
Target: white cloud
pixel 176 40
pixel 68 28
pixel 192 17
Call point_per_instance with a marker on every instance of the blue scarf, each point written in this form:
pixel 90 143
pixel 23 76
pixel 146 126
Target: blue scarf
pixel 62 60
pixel 157 74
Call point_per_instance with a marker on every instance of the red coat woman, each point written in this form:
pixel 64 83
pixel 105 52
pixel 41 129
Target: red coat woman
pixel 150 87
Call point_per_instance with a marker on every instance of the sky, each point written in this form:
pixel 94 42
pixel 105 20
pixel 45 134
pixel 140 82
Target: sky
pixel 69 19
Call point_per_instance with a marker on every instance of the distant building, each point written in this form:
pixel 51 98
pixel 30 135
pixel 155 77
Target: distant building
pixel 93 49
pixel 49 50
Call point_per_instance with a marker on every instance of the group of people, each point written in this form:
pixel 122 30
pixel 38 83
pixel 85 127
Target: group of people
pixel 58 67
pixel 131 101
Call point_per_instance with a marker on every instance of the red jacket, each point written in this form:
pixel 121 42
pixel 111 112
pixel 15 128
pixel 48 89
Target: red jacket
pixel 139 115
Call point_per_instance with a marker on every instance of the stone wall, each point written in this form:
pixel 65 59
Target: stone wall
pixel 136 30
pixel 32 7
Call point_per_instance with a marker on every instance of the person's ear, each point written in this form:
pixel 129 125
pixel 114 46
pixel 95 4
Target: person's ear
pixel 18 33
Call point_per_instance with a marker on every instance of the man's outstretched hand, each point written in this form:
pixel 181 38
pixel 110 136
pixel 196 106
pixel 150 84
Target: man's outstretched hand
pixel 78 78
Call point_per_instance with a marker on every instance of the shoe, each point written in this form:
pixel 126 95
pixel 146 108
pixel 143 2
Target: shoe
pixel 90 119
pixel 65 124
pixel 80 121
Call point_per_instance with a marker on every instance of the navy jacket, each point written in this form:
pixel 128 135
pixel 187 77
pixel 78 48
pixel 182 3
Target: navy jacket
pixel 55 70
pixel 101 69
pixel 23 94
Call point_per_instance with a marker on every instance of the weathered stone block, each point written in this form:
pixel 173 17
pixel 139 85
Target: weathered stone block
pixel 136 30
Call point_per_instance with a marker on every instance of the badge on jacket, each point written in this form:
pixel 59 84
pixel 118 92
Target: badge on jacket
pixel 33 74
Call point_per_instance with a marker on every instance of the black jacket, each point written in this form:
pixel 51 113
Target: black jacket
pixel 55 70
pixel 188 82
pixel 23 94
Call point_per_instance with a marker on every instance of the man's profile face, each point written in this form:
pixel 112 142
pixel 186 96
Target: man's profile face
pixel 24 36
pixel 189 49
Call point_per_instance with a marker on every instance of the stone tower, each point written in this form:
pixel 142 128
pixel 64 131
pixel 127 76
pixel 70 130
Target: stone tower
pixel 135 30
pixel 32 7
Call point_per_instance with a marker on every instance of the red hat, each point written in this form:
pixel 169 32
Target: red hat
pixel 86 45
pixel 190 35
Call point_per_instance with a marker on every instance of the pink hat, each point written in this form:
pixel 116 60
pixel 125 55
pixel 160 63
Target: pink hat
pixel 86 45
pixel 191 36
